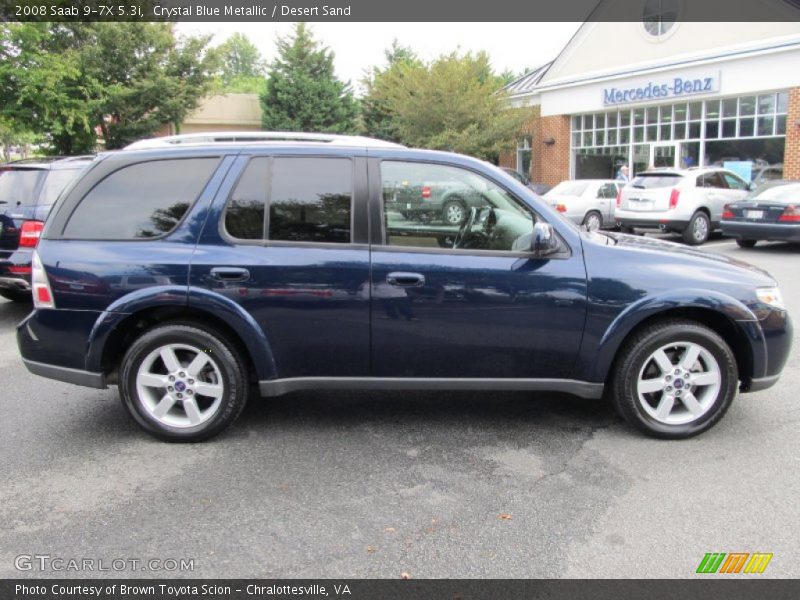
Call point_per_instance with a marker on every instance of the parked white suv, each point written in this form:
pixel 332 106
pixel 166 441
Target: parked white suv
pixel 686 201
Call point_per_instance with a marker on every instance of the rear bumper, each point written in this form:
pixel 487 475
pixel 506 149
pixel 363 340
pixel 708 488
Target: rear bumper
pixel 15 283
pixel 677 225
pixel 762 231
pixel 76 376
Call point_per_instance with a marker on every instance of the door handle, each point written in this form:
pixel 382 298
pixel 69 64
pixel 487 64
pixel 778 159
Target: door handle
pixel 405 279
pixel 230 274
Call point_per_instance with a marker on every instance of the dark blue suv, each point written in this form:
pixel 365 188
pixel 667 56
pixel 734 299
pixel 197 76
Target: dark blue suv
pixel 191 275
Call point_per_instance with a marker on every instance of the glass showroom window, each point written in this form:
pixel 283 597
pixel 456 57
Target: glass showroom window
pixel 524 156
pixel 747 128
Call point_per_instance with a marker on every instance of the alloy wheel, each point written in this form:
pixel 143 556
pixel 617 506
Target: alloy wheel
pixel 180 385
pixel 679 383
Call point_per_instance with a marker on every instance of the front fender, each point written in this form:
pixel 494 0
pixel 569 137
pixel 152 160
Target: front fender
pixel 734 310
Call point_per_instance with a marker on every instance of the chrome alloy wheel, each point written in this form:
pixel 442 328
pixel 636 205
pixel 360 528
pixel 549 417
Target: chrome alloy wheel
pixel 593 222
pixel 679 383
pixel 180 385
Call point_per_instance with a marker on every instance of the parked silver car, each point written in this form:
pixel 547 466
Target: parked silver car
pixel 686 201
pixel 588 202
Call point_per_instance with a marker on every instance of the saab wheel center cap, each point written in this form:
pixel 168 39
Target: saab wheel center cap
pixel 180 386
pixel 678 384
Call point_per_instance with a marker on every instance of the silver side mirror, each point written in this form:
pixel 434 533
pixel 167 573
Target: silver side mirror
pixel 545 241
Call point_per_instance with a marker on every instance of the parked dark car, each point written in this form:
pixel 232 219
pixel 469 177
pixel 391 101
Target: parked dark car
pixel 187 276
pixel 772 213
pixel 28 189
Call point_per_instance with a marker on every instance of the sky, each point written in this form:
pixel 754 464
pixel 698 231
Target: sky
pixel 358 46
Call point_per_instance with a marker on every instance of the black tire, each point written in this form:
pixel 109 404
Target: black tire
pixel 628 230
pixel 17 296
pixel 230 365
pixel 454 202
pixel 635 356
pixel 745 243
pixel 698 230
pixel 588 218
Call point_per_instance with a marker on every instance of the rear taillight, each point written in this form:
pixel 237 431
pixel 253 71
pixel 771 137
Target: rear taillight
pixel 426 191
pixel 790 214
pixel 561 208
pixel 29 233
pixel 726 212
pixel 674 197
pixel 42 294
pixel 619 198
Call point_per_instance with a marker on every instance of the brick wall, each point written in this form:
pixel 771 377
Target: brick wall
pixel 551 162
pixel 791 155
pixel 508 158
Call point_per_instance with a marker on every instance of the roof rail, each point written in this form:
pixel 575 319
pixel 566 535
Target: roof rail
pixel 259 136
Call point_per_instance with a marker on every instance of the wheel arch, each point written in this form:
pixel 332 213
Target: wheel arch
pixel 730 319
pixel 113 332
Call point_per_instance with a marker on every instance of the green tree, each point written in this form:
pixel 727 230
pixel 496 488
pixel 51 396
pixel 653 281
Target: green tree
pixel 375 110
pixel 453 103
pixel 303 93
pixel 241 67
pixel 124 80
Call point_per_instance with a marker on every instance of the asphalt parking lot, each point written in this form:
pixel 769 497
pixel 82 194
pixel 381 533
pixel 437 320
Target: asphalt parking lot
pixel 374 485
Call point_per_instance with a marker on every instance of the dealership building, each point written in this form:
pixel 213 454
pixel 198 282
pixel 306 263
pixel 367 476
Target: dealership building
pixel 663 93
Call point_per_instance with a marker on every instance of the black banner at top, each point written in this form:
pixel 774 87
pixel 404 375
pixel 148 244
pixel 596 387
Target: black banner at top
pixel 400 10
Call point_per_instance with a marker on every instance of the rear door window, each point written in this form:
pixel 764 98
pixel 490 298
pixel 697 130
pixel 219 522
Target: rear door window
pixel 308 200
pixel 140 201
pixel 712 180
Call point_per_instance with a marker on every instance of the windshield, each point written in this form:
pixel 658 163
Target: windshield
pixel 55 183
pixel 17 186
pixel 656 180
pixel 789 193
pixel 569 188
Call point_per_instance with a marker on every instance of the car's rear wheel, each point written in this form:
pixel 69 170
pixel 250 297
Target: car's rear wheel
pixel 674 379
pixel 593 221
pixel 745 243
pixel 698 230
pixel 183 382
pixel 454 211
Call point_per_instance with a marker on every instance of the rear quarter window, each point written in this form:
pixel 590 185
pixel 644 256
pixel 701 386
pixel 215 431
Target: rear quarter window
pixel 54 184
pixel 140 201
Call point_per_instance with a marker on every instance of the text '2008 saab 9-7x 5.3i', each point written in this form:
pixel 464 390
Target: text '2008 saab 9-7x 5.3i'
pixel 191 273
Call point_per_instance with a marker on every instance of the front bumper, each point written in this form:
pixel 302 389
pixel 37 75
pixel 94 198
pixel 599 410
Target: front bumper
pixel 762 231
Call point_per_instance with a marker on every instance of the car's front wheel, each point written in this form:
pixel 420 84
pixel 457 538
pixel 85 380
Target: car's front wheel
pixel 183 383
pixel 674 379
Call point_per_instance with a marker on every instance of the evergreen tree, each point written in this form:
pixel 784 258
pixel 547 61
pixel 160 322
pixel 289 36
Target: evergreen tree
pixel 303 93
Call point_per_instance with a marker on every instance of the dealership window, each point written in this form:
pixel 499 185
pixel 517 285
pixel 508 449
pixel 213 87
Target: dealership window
pixel 524 156
pixel 746 129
